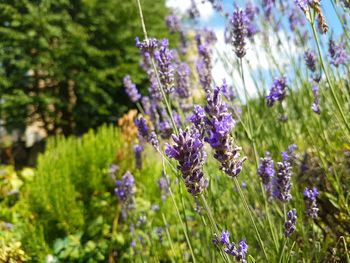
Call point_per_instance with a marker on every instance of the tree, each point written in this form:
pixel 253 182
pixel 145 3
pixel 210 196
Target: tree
pixel 62 62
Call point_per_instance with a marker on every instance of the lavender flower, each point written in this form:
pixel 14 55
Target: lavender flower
pixel 289 225
pixel 296 19
pixel 282 181
pixel 173 23
pixel 268 6
pixel 310 60
pixel 145 133
pixel 147 47
pixel 251 11
pixel 310 196
pixel 165 57
pixel 337 53
pixel 193 11
pixel 225 238
pixel 146 104
pixel 159 232
pixel 198 118
pixel 165 128
pixel 204 67
pixel 219 122
pixel 289 155
pixel 277 91
pixel 188 151
pixel 124 189
pixel 238 252
pixel 142 127
pixel 154 89
pixel 239 32
pixel 266 169
pixel 302 4
pixel 131 89
pixel 316 104
pixel 163 184
pixel 183 81
pixel 138 149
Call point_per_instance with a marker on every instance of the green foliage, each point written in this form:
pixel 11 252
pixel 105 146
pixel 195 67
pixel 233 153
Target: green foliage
pixel 70 180
pixel 62 62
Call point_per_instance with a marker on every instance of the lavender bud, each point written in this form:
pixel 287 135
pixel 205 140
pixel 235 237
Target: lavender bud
pixel 165 58
pixel 125 189
pixel 183 81
pixel 310 60
pixel 131 89
pixel 188 151
pixel 138 149
pixel 266 169
pixel 337 53
pixel 173 23
pixel 239 32
pixel 277 91
pixel 283 183
pixel 310 196
pixel 289 225
pixel 163 184
pixel 316 104
pixel 204 67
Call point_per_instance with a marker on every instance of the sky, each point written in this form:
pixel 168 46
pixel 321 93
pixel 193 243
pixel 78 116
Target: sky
pixel 213 20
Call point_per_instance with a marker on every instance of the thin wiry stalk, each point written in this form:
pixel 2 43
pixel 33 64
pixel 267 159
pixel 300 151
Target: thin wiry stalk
pixel 169 237
pixel 334 96
pixel 252 139
pixel 245 203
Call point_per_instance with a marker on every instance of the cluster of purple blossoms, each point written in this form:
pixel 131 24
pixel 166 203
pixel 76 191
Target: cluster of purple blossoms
pixel 147 47
pixel 277 91
pixel 239 22
pixel 188 151
pixel 238 252
pixel 310 60
pixel 302 4
pixel 163 184
pixel 268 7
pixel 183 81
pixel 204 66
pixel 316 104
pixel 125 189
pixel 138 149
pixel 296 19
pixel 290 155
pixel 289 225
pixel 282 182
pixel 266 169
pixel 164 58
pixel 145 133
pixel 310 196
pixel 337 53
pixel 131 89
pixel 173 23
pixel 193 11
pixel 219 123
pixel 251 11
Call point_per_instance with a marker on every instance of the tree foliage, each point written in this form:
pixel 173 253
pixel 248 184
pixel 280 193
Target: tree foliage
pixel 62 62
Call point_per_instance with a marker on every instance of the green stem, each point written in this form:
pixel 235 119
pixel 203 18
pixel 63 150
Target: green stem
pixel 283 248
pixel 245 203
pixel 334 96
pixel 168 236
pixel 214 226
pixel 252 139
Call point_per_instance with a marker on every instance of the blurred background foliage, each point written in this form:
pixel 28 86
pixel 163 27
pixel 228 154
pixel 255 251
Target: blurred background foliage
pixel 62 62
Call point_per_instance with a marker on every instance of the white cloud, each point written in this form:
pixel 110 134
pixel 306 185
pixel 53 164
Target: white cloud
pixel 257 58
pixel 205 8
